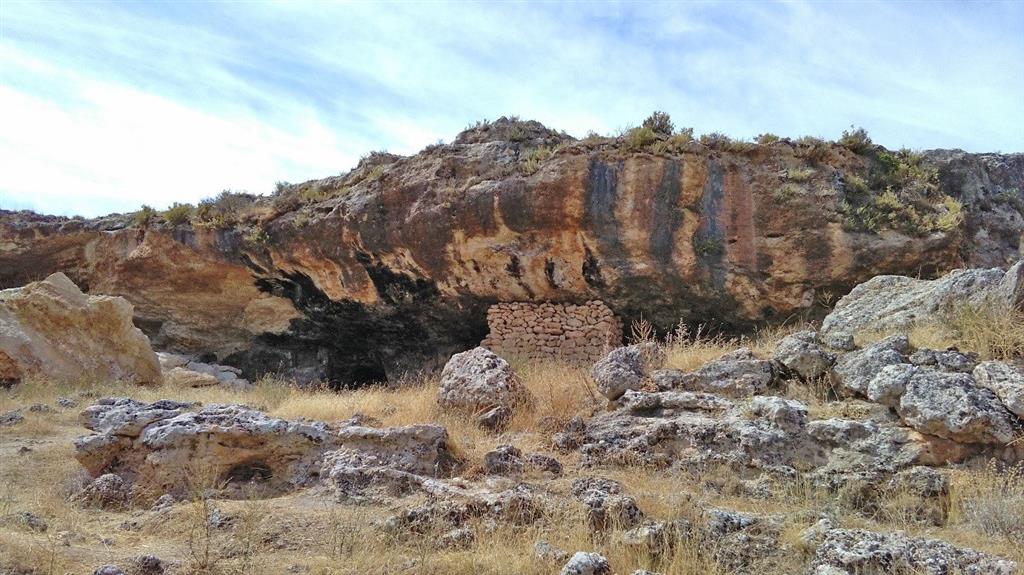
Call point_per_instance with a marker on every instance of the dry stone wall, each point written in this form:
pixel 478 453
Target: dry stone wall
pixel 557 331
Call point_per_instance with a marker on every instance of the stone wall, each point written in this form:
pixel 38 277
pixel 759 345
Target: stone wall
pixel 567 332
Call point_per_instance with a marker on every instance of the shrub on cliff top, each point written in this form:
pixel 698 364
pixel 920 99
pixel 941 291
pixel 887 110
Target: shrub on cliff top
pixel 179 213
pixel 660 123
pixel 142 217
pixel 856 140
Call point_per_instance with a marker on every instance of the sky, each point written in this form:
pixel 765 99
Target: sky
pixel 108 106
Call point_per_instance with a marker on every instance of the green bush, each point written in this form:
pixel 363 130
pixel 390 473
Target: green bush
pixel 225 210
pixel 142 217
pixel 715 140
pixel 179 214
pixel 640 138
pixel 767 139
pixel 534 159
pixel 660 123
pixel 800 174
pixel 786 192
pixel 856 140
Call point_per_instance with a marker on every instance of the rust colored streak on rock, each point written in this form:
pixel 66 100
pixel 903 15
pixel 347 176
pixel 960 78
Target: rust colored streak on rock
pixel 737 218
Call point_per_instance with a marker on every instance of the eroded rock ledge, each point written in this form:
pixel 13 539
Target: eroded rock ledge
pixel 391 267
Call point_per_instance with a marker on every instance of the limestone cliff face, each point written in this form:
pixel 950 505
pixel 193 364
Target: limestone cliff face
pixel 391 267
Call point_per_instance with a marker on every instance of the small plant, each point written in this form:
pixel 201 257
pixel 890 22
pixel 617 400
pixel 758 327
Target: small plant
pixel 281 186
pixel 993 501
pixel 535 158
pixel 856 140
pixel 767 139
pixel 659 123
pixel 707 246
pixel 142 217
pixel 179 214
pixel 786 193
pixel 800 174
pixel 257 235
pixel 816 150
pixel 715 140
pixel 375 174
pixel 314 193
pixel 639 139
pixel 855 185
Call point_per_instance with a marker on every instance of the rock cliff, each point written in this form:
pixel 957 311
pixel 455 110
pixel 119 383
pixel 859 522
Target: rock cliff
pixel 392 266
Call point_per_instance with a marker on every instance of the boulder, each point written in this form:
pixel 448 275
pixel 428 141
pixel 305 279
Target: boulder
pixel 801 354
pixel 583 563
pixel 163 448
pixel 953 406
pixel 1006 381
pixel 896 303
pixel 51 329
pixel 477 381
pixel 854 371
pixel 607 507
pixel 861 552
pixel 626 368
pixel 181 377
pixel 735 374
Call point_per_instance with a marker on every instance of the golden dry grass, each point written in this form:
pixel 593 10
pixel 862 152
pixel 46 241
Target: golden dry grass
pixel 994 332
pixel 272 535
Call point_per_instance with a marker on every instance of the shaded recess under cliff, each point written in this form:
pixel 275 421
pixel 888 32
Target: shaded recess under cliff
pixel 390 268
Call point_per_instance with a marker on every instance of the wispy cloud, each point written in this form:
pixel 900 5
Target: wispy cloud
pixel 108 106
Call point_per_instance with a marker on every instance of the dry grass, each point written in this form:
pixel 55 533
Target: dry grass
pixel 994 332
pixel 271 535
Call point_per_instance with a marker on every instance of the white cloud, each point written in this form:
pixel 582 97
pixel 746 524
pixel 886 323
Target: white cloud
pixel 106 107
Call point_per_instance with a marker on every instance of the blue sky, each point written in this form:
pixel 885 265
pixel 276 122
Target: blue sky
pixel 107 106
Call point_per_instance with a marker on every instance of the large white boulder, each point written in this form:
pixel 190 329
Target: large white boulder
pixel 51 329
pixel 477 380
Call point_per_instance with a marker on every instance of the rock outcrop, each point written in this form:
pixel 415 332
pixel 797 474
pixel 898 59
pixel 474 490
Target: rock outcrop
pixel 51 329
pixel 392 266
pixel 164 447
pixel 893 303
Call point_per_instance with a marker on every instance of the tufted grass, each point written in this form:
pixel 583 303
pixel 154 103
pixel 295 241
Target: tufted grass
pixel 994 332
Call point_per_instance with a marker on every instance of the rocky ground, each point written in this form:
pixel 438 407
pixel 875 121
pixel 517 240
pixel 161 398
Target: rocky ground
pixel 884 446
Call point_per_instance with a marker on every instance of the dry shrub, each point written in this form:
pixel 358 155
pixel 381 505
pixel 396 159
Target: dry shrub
pixel 991 500
pixel 994 331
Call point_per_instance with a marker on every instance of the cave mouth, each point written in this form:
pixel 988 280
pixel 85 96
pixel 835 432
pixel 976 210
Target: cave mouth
pixel 255 471
pixel 358 374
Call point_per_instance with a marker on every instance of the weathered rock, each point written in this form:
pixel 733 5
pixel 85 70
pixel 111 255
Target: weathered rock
pixel 31 521
pixel 626 368
pixel 161 447
pixel 889 383
pixel 507 460
pixel 854 371
pixel 108 570
pixel 181 377
pixel 948 360
pixel 583 563
pixel 607 506
pixel 736 374
pixel 1006 381
pixel 953 406
pixel 12 417
pixel 546 552
pixel 477 381
pixel 397 272
pixel 801 354
pixel 108 491
pixel 870 553
pixel 495 419
pixel 148 565
pixel 896 303
pixel 51 329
